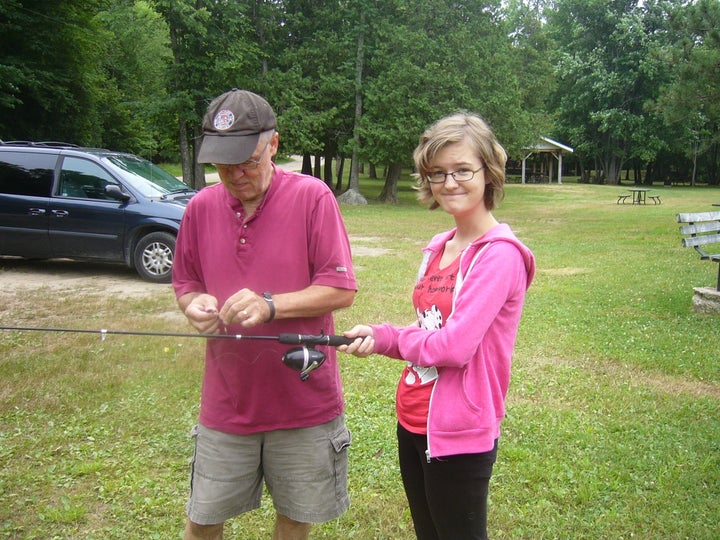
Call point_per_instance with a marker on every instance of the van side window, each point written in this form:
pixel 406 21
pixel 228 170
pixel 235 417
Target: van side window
pixel 84 179
pixel 23 173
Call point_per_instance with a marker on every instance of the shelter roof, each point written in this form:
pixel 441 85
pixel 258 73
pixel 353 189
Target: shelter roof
pixel 548 145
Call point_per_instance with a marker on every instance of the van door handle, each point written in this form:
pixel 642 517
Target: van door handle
pixel 36 211
pixel 60 213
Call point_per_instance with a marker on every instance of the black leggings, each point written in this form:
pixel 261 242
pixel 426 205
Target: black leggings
pixel 448 496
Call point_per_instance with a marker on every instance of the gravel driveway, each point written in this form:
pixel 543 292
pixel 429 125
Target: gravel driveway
pixel 17 275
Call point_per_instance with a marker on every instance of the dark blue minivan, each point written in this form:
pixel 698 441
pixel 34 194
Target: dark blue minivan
pixel 63 201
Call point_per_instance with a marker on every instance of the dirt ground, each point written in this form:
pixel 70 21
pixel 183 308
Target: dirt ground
pixel 18 274
pixel 63 275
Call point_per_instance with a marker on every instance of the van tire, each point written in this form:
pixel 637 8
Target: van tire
pixel 153 257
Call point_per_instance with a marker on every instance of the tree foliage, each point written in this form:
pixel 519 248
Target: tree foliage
pixel 629 84
pixel 50 70
pixel 136 78
pixel 606 75
pixel 431 58
pixel 690 101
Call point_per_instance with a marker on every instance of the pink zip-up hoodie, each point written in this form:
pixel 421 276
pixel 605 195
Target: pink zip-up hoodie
pixel 473 350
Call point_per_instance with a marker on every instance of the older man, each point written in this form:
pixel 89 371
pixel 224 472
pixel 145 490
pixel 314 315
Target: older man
pixel 265 251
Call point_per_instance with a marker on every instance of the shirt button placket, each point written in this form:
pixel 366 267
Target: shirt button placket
pixel 244 233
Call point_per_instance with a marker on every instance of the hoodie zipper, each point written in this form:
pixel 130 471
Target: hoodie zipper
pixel 458 286
pixel 428 456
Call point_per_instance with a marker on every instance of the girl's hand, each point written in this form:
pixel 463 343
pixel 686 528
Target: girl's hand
pixel 363 346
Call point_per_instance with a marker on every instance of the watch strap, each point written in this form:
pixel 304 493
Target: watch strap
pixel 269 299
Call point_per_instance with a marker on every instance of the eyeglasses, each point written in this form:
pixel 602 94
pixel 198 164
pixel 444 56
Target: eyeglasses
pixel 461 175
pixel 249 165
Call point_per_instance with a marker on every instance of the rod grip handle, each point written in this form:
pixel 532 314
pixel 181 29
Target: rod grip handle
pixel 322 339
pixel 335 341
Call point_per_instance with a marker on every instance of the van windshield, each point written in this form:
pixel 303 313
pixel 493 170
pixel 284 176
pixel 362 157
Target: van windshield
pixel 144 176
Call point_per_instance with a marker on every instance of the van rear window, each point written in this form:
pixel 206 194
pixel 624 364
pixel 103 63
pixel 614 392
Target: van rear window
pixel 24 173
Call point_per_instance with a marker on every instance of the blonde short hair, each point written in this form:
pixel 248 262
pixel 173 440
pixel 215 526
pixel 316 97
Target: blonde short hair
pixel 453 129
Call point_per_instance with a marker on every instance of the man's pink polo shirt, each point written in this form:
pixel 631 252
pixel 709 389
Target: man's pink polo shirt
pixel 295 239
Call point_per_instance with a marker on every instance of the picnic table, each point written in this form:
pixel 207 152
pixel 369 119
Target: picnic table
pixel 638 196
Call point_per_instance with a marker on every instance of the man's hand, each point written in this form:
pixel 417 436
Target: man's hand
pixel 201 311
pixel 245 308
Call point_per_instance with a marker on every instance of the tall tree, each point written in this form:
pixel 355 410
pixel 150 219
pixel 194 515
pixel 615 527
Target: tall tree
pixel 432 58
pixel 606 76
pixel 359 72
pixel 531 58
pixel 135 68
pixel 310 79
pixel 690 103
pixel 214 49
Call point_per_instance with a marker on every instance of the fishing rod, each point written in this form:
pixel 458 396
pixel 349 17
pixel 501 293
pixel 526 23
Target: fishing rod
pixel 285 339
pixel 303 359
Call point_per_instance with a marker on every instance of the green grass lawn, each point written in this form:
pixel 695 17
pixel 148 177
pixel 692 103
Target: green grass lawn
pixel 613 427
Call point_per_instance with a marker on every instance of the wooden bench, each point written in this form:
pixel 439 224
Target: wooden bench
pixel 621 198
pixel 655 198
pixel 701 229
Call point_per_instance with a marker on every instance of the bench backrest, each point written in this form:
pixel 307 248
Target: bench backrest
pixel 702 229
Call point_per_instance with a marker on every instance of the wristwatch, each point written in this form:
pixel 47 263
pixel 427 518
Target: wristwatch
pixel 268 298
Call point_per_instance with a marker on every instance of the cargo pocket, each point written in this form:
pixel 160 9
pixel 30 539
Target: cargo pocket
pixel 341 441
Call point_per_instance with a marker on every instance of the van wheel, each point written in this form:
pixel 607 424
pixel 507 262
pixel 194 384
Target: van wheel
pixel 153 257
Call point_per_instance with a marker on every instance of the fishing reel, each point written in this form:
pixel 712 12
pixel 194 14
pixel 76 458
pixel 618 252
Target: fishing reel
pixel 304 359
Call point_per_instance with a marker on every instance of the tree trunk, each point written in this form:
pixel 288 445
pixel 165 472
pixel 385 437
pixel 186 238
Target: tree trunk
pixel 199 168
pixel 390 189
pixel 372 171
pixel 694 172
pixel 317 168
pixel 354 183
pixel 306 164
pixel 340 165
pixel 638 174
pixel 186 155
pixel 328 171
pixel 611 166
